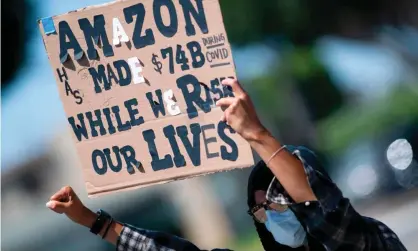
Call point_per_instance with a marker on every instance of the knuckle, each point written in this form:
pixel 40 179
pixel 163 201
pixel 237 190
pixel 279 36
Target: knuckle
pixel 234 108
pixel 68 189
pixel 228 113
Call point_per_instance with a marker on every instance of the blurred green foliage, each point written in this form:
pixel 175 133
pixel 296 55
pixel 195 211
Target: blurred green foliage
pixel 296 25
pixel 247 242
pixel 353 121
pixel 300 21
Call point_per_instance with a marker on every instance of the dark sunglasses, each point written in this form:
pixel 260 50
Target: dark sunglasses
pixel 258 212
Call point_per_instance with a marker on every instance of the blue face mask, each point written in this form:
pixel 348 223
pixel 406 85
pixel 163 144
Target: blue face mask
pixel 285 228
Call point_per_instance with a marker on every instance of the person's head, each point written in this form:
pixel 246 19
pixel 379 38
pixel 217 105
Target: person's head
pixel 276 225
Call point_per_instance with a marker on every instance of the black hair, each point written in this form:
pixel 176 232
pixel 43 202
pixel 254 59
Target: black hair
pixel 260 179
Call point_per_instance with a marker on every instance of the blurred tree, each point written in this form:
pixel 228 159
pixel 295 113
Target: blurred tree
pixel 297 94
pixel 351 122
pixel 14 34
pixel 320 95
pixel 303 21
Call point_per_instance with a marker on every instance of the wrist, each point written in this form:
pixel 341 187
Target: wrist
pixel 258 136
pixel 265 144
pixel 87 218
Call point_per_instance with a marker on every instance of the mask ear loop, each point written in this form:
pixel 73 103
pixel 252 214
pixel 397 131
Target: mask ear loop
pixel 266 205
pixel 252 212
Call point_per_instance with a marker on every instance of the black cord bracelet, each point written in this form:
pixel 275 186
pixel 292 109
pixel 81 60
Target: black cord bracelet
pixel 107 228
pixel 102 218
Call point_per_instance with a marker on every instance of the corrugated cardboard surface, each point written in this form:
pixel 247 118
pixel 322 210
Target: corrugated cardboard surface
pixel 80 79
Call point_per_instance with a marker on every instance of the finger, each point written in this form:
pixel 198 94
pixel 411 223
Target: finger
pixel 62 194
pixel 225 101
pixel 58 195
pixel 57 206
pixel 228 112
pixel 235 85
pixel 223 118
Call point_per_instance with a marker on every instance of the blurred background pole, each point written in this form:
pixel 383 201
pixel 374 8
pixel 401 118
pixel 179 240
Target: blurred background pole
pixel 204 221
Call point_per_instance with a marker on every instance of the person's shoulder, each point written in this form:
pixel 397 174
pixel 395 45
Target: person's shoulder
pixel 310 157
pixel 302 149
pixel 304 152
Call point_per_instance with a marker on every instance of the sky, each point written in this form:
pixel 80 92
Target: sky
pixel 31 108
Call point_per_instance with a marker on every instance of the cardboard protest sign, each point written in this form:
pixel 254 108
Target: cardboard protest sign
pixel 138 81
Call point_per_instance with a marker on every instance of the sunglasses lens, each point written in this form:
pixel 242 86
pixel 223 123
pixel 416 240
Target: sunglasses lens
pixel 278 207
pixel 259 212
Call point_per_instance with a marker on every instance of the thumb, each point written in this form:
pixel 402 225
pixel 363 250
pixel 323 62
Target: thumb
pixel 57 206
pixel 223 118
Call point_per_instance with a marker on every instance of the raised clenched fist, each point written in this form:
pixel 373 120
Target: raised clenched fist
pixel 66 201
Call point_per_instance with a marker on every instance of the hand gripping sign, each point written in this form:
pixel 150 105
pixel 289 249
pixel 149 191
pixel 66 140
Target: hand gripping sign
pixel 138 81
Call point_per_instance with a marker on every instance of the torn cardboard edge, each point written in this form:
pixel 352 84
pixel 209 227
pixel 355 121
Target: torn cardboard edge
pixel 89 8
pixel 83 9
pixel 48 25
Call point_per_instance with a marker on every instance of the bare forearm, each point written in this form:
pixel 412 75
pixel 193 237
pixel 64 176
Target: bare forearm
pixel 287 169
pixel 114 231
